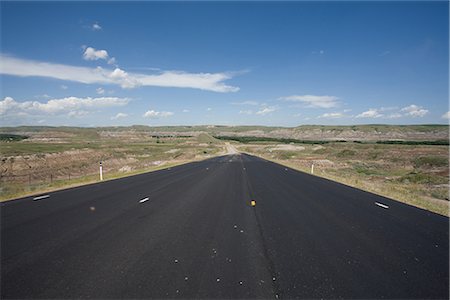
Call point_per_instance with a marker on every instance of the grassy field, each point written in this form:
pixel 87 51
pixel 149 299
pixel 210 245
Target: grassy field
pixel 56 159
pixel 413 174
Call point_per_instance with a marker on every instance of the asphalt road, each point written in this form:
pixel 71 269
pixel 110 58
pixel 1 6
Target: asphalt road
pixel 198 237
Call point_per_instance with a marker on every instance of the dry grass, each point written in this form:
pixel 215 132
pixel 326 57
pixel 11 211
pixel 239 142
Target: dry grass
pixel 62 157
pixel 41 163
pixel 416 175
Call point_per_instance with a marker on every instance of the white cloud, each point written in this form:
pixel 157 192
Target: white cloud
pixel 408 111
pixel 209 109
pixel 119 116
pixel 186 110
pixel 8 106
pixel 100 91
pixel 93 54
pixel 266 110
pixel 203 81
pixel 96 27
pixel 389 108
pixel 371 113
pixel 414 111
pixel 43 96
pixel 123 78
pixel 394 116
pixel 152 114
pixel 250 102
pixel 335 115
pixel 112 61
pixel 245 112
pixel 446 115
pixel 64 87
pixel 77 113
pixel 313 100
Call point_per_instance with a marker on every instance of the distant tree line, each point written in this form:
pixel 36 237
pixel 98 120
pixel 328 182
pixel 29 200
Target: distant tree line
pixel 249 139
pixel 437 142
pixel 12 137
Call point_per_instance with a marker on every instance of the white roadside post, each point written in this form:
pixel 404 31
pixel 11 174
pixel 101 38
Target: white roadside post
pixel 312 168
pixel 101 171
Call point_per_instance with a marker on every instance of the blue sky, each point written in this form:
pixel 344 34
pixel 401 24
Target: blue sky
pixel 229 63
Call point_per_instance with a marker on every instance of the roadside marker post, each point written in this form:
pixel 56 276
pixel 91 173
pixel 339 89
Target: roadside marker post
pixel 101 172
pixel 312 168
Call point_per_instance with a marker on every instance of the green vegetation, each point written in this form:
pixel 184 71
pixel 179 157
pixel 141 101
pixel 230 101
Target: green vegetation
pixel 206 138
pixel 346 153
pixel 425 178
pixel 249 139
pixel 4 137
pixel 430 161
pixel 438 142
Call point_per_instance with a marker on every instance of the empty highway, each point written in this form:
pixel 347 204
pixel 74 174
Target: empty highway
pixel 190 232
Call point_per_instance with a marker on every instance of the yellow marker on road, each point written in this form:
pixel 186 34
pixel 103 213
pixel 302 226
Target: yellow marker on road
pixel 253 203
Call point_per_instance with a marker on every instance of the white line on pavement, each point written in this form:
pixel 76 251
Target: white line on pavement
pixel 382 205
pixel 41 197
pixel 143 200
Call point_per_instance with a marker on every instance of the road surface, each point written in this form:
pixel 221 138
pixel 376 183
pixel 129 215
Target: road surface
pixel 190 232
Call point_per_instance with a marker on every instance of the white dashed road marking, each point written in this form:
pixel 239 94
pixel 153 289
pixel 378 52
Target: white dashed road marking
pixel 41 197
pixel 143 200
pixel 382 205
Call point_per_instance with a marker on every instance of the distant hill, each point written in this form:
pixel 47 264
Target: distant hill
pixel 206 133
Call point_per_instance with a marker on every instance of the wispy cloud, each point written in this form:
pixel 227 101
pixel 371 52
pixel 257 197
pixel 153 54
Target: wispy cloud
pixel 152 114
pixel 249 102
pixel 320 52
pixel 414 111
pixel 408 111
pixel 203 81
pixel 57 106
pixel 334 115
pixel 384 53
pixel 185 110
pixel 313 100
pixel 119 116
pixel 78 113
pixel 266 110
pixel 371 113
pixel 394 116
pixel 43 96
pixel 100 91
pixel 245 112
pixel 446 115
pixel 96 27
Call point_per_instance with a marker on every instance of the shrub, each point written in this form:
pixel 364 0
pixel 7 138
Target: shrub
pixel 419 177
pixel 430 161
pixel 346 153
